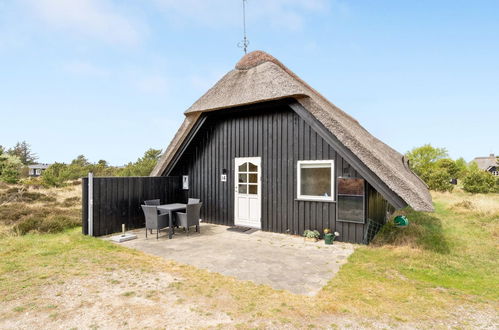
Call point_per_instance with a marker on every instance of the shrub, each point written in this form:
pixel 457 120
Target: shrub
pixel 71 201
pixel 311 234
pixel 21 195
pixel 478 181
pixel 50 224
pixel 143 166
pixel 35 183
pixel 424 232
pixel 439 180
pixel 56 175
pixel 10 168
pixel 12 213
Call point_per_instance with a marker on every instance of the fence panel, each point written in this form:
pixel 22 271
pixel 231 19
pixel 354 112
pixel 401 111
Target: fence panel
pixel 117 201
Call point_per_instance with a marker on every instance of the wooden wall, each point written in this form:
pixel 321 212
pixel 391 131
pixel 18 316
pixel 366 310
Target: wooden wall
pixel 118 200
pixel 281 138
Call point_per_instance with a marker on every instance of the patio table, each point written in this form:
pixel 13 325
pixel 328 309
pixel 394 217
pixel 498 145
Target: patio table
pixel 170 208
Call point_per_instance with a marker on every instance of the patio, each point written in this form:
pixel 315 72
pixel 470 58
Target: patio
pixel 280 261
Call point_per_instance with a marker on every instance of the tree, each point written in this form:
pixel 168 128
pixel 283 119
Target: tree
pixel 23 151
pixel 56 175
pixel 478 181
pixel 143 166
pixel 462 167
pixel 449 166
pixel 81 161
pixel 422 159
pixel 10 168
pixel 439 180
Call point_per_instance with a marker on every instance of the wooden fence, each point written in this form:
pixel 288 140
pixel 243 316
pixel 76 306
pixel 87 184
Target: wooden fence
pixel 109 202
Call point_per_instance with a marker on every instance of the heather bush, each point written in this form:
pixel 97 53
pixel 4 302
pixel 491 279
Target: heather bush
pixel 478 181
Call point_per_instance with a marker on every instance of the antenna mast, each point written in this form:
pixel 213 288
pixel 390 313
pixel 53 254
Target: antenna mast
pixel 245 42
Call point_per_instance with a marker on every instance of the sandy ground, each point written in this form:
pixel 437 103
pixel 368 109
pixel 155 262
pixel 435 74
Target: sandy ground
pixel 143 300
pixel 118 299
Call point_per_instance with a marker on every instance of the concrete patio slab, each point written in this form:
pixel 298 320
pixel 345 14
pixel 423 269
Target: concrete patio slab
pixel 280 261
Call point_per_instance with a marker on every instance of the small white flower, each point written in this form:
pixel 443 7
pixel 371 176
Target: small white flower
pixel 336 233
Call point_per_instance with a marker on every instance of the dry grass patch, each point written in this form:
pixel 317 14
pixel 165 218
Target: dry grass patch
pixel 51 210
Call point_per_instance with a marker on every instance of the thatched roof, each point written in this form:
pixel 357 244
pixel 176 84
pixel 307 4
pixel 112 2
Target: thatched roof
pixel 484 163
pixel 259 77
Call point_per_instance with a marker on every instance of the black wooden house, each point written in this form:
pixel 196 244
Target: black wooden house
pixel 263 149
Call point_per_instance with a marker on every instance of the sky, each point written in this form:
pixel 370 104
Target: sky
pixel 111 78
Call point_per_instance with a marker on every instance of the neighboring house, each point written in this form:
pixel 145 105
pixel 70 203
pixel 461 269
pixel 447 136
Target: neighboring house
pixel 263 149
pixel 489 164
pixel 37 169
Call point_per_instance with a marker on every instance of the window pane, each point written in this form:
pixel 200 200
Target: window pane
pixel 351 186
pixel 253 167
pixel 243 178
pixel 351 208
pixel 315 181
pixel 243 167
pixel 243 189
pixel 253 189
pixel 253 178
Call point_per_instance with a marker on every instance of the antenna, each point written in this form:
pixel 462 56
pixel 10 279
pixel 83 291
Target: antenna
pixel 245 42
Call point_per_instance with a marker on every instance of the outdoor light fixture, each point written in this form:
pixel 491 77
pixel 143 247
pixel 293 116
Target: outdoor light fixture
pixel 223 177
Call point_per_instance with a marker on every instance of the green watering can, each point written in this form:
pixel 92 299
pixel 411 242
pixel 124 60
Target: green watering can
pixel 401 221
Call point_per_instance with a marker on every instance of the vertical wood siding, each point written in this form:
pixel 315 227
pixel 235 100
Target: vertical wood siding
pixel 118 200
pixel 281 138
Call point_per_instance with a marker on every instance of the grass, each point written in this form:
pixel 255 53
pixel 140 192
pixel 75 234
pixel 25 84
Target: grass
pixel 24 210
pixel 442 261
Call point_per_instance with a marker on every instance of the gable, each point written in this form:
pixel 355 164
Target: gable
pixel 261 78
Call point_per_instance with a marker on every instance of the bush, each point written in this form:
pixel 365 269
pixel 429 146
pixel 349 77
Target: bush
pixel 71 201
pixel 21 195
pixel 56 175
pixel 40 219
pixel 439 180
pixel 50 224
pixel 424 232
pixel 10 168
pixel 478 181
pixel 143 166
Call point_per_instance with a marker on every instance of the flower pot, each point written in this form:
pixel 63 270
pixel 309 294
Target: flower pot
pixel 311 239
pixel 328 238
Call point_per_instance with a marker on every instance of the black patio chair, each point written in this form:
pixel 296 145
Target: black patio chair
pixel 190 217
pixel 155 220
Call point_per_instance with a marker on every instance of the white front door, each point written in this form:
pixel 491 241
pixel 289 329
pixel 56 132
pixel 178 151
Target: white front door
pixel 248 192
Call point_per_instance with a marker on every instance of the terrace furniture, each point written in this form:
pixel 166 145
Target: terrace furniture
pixel 152 202
pixel 190 217
pixel 170 208
pixel 155 220
pixel 193 201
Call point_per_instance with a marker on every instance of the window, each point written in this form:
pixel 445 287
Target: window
pixel 315 180
pixel 248 178
pixel 351 204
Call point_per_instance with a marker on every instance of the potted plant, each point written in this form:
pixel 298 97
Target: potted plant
pixel 311 235
pixel 329 237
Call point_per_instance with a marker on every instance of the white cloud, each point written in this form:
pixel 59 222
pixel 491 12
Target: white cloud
pixel 83 68
pixel 153 84
pixel 288 14
pixel 94 18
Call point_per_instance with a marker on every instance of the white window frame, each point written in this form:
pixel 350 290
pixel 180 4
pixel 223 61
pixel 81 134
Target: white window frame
pixel 317 164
